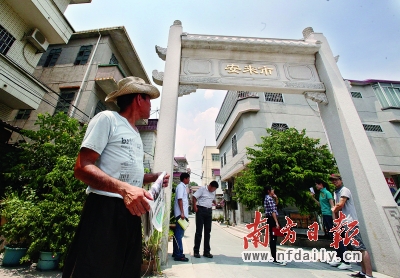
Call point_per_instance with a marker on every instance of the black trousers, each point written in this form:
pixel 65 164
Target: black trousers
pixel 272 238
pixel 203 219
pixel 107 243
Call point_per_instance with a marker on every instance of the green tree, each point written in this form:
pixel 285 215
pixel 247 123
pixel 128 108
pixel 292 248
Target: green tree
pixel 192 183
pixel 45 174
pixel 289 162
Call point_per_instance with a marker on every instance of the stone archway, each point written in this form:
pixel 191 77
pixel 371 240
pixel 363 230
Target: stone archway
pixel 307 67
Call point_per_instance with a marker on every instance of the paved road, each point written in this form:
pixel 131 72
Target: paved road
pixel 227 246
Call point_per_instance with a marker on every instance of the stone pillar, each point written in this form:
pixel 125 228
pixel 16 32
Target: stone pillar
pixel 377 212
pixel 166 128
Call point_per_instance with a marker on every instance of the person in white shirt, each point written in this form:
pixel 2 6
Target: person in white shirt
pixel 181 211
pixel 203 200
pixel 345 203
pixel 108 240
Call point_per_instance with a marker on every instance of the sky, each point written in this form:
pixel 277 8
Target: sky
pixel 364 33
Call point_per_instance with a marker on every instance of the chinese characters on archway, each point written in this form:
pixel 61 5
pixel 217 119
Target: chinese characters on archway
pixel 259 233
pixel 232 68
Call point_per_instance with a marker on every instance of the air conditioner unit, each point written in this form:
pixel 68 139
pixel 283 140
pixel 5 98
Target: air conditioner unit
pixel 38 40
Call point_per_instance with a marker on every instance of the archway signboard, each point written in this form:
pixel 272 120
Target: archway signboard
pixel 307 67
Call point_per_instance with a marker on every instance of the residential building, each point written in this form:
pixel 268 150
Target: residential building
pixel 180 166
pixel 148 133
pixel 27 28
pixel 244 117
pixel 210 168
pixel 81 74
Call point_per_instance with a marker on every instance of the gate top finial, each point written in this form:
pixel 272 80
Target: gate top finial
pixel 307 31
pixel 177 22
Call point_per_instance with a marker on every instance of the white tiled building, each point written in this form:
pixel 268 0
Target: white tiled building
pixel 27 28
pixel 244 117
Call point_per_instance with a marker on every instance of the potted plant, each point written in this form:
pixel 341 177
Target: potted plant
pixel 150 254
pixel 15 230
pixel 55 197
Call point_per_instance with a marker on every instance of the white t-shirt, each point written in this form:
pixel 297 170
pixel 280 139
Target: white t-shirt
pixel 181 193
pixel 119 146
pixel 349 209
pixel 204 197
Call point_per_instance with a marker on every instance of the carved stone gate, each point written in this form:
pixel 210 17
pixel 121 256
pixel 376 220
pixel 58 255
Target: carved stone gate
pixel 306 66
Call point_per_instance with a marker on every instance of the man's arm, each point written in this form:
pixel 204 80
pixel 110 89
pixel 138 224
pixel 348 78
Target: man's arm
pixel 338 207
pixel 180 204
pixel 152 177
pixel 332 206
pixel 135 198
pixel 194 204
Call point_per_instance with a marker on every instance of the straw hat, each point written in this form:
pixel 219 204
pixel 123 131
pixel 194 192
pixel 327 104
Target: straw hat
pixel 133 85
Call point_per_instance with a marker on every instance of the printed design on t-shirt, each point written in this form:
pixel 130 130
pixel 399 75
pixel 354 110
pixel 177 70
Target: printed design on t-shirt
pixel 127 167
pixel 323 195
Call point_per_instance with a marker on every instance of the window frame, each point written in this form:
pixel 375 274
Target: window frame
pixel 83 55
pixel 52 58
pixel 388 95
pixel 6 40
pixel 66 97
pixel 279 127
pixel 274 97
pixel 234 145
pixel 214 157
pixel 23 114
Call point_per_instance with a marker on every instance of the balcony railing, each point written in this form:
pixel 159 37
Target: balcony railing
pixel 231 98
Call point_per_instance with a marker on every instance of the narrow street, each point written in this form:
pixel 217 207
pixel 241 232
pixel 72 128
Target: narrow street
pixel 227 246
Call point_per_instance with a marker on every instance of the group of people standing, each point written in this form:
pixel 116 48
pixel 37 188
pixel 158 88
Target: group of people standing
pixel 203 199
pixel 343 201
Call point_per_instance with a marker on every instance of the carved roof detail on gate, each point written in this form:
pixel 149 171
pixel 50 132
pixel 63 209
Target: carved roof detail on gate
pixel 249 44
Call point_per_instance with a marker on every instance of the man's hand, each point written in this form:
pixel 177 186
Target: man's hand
pixel 182 215
pixel 195 208
pixel 135 199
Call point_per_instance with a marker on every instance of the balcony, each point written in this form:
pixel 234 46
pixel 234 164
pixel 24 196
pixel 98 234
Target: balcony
pixel 235 104
pixel 107 77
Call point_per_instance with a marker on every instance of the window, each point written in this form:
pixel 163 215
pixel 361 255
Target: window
pixel 6 40
pixel 279 126
pixel 273 97
pixel 113 60
pixel 234 145
pixel 64 102
pixel 23 114
pixel 356 95
pixel 83 55
pixel 224 158
pixel 388 94
pixel 215 157
pixel 374 128
pixel 52 58
pixel 222 161
pixel 99 107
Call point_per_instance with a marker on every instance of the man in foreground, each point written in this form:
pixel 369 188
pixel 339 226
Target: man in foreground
pixel 108 241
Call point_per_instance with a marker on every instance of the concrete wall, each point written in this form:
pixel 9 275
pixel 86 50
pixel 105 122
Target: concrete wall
pixel 149 144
